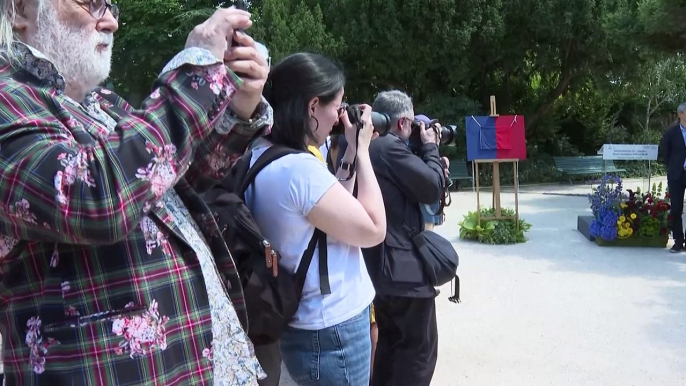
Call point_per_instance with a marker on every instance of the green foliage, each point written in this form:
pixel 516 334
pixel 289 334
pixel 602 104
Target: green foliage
pixel 649 227
pixel 150 33
pixel 582 72
pixel 288 26
pixel 662 23
pixel 493 231
pixel 538 169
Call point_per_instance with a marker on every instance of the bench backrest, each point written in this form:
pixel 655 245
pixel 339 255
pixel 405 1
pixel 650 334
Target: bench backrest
pixel 458 168
pixel 583 163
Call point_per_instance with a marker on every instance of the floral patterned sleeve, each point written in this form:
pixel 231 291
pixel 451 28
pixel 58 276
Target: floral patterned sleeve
pixel 214 156
pixel 65 181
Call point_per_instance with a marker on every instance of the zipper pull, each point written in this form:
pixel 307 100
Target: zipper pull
pixel 268 253
pixel 275 264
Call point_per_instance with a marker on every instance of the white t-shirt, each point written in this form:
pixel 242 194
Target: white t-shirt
pixel 283 194
pixel 324 149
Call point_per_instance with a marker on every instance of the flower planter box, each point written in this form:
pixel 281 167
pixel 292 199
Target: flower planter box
pixel 635 241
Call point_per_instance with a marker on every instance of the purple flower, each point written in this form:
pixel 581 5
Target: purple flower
pixel 606 196
pixel 609 233
pixel 605 225
pixel 596 228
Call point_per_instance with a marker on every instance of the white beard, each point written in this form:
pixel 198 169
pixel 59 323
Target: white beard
pixel 73 51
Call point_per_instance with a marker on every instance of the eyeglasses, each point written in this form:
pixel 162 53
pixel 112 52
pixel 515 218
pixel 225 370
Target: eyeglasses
pixel 98 8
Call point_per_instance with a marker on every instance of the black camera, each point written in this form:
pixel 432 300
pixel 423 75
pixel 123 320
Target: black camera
pixel 380 121
pixel 447 133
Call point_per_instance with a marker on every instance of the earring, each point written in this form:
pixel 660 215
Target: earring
pixel 316 121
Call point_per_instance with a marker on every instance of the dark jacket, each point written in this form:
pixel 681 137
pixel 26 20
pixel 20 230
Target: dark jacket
pixel 406 180
pixel 673 152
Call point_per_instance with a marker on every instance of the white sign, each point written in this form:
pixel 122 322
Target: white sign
pixel 630 152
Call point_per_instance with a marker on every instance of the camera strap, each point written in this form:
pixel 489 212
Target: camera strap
pixel 358 128
pixel 446 199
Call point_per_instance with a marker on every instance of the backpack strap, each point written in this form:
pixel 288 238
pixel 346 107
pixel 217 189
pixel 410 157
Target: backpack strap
pixel 319 237
pixel 272 154
pixel 324 285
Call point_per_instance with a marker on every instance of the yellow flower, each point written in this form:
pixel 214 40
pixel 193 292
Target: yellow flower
pixel 627 225
pixel 622 218
pixel 633 216
pixel 630 231
pixel 621 233
pixel 619 223
pixel 623 206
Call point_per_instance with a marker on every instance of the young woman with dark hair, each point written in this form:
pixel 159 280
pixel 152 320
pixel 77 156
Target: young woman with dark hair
pixel 328 341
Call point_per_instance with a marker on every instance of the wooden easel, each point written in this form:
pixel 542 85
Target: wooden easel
pixel 496 183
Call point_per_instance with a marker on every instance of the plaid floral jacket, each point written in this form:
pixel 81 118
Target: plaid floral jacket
pixel 98 286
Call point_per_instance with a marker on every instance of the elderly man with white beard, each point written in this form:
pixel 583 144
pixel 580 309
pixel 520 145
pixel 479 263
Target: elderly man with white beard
pixel 112 269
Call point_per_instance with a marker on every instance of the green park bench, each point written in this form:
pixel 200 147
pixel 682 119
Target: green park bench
pixel 585 165
pixel 458 171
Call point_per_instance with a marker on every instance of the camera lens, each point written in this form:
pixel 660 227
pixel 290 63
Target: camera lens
pixel 448 135
pixel 381 122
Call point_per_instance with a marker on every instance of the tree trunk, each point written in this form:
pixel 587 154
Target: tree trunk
pixel 648 113
pixel 508 92
pixel 378 82
pixel 566 76
pixel 485 94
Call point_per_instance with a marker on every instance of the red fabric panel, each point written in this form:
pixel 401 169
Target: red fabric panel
pixel 503 133
pixel 514 138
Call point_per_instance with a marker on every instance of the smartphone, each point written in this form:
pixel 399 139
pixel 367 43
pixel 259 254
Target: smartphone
pixel 239 4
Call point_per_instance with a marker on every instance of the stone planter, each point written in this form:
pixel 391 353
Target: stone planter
pixel 636 241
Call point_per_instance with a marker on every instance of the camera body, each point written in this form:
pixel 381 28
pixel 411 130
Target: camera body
pixel 447 133
pixel 380 121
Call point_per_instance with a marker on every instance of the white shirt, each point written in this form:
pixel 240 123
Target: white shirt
pixel 324 149
pixel 283 194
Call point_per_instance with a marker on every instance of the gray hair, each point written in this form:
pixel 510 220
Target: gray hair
pixel 395 103
pixel 7 12
pixel 7 35
pixel 682 108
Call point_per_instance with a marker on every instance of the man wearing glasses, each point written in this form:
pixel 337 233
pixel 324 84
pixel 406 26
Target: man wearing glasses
pixel 405 307
pixel 112 269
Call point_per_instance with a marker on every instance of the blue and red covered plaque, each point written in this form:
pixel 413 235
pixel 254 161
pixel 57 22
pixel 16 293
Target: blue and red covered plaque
pixel 495 137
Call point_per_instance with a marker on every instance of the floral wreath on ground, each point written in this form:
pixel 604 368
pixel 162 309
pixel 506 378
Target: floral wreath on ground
pixel 620 215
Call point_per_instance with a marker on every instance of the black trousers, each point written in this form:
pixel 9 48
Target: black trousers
pixel 676 197
pixel 269 356
pixel 407 349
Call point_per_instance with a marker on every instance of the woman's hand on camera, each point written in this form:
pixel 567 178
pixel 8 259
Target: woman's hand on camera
pixel 350 130
pixel 367 134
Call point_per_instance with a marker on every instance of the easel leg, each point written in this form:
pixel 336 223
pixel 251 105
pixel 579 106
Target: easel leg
pixel 516 181
pixel 496 189
pixel 478 205
pixel 473 177
pixel 493 195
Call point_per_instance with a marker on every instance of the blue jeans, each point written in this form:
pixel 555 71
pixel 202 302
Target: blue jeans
pixel 427 213
pixel 335 356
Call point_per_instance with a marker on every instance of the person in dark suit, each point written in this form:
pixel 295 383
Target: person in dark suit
pixel 674 157
pixel 405 306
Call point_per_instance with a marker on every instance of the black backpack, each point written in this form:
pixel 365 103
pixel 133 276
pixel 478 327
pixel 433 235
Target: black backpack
pixel 272 295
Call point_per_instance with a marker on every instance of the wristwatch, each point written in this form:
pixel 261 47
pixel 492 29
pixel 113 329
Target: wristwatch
pixel 349 167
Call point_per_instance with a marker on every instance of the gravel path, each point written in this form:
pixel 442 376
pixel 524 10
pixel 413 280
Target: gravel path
pixel 558 310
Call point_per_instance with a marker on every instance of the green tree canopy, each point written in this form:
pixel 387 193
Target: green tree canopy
pixel 581 71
